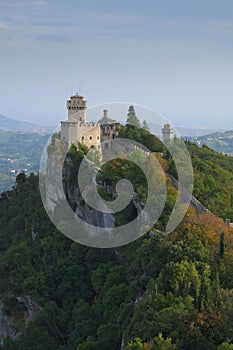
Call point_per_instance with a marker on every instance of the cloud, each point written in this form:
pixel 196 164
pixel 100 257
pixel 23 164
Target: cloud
pixel 38 3
pixel 219 27
pixel 9 43
pixel 118 19
pixel 205 26
pixel 177 23
pixel 4 26
pixel 52 37
pixel 24 4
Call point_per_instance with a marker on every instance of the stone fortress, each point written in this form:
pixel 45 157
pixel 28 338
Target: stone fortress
pixel 76 128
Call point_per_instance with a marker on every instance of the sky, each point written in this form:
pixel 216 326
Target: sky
pixel 173 56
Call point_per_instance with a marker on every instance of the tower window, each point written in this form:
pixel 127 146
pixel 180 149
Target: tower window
pixel 90 137
pixel 82 138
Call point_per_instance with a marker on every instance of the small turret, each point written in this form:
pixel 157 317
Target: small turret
pixel 105 114
pixel 167 132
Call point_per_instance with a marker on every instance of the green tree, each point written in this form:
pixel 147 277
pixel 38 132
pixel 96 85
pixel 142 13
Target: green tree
pixel 160 343
pixel 225 346
pixel 222 245
pixel 132 118
pixel 181 278
pixel 135 345
pixel 145 125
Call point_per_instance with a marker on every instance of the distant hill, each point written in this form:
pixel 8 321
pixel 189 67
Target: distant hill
pixel 10 124
pixel 183 131
pixel 20 151
pixel 221 142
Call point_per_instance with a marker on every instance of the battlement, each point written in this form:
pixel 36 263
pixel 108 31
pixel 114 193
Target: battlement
pixel 92 124
pixel 69 123
pixel 76 102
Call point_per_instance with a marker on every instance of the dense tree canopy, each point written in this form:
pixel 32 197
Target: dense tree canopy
pixel 159 292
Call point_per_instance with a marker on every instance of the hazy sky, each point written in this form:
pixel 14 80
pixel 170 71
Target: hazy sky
pixel 174 56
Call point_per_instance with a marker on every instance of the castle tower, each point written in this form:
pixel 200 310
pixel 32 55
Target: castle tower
pixel 76 129
pixel 77 107
pixel 167 132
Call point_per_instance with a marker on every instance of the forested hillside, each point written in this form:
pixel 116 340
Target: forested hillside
pixel 159 292
pixel 219 141
pixel 213 179
pixel 20 151
pixel 15 125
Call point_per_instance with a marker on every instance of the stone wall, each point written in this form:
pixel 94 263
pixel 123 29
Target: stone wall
pixel 73 132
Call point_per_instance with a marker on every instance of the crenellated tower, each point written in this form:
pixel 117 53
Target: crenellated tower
pixel 77 107
pixel 76 129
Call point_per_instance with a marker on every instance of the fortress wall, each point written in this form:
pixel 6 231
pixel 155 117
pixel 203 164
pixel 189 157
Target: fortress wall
pixel 89 134
pixel 69 132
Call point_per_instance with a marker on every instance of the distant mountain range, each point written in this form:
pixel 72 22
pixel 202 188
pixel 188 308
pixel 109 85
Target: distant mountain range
pixel 10 124
pixel 221 142
pixel 183 131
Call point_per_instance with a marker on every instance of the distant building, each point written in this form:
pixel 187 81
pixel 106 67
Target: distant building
pixel 168 132
pixel 77 129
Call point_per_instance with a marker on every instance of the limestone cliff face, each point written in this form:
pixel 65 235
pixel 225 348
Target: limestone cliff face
pixel 6 327
pixel 50 180
pixel 91 216
pixel 13 326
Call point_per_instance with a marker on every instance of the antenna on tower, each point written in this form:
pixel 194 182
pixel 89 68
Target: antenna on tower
pixel 81 87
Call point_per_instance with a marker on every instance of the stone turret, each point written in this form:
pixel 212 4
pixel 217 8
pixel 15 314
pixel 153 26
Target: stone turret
pixel 77 107
pixel 105 111
pixel 167 132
